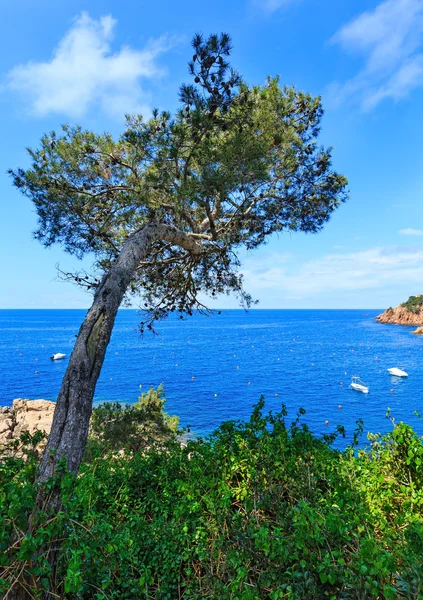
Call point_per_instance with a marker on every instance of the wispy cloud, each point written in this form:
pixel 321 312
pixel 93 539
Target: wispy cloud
pixel 374 268
pixel 270 6
pixel 390 40
pixel 84 73
pixel 411 231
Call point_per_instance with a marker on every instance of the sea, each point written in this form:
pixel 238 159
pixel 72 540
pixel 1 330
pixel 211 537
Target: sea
pixel 216 368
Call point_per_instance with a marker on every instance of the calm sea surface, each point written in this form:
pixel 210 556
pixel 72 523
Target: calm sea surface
pixel 215 368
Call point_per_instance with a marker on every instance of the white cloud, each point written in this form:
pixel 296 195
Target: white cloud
pixel 390 40
pixel 270 6
pixel 84 73
pixel 371 269
pixel 411 231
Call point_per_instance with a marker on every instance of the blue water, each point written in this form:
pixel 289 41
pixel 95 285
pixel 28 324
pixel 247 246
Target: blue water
pixel 215 368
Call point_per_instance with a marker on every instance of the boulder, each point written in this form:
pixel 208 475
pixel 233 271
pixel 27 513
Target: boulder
pixel 33 415
pixel 25 416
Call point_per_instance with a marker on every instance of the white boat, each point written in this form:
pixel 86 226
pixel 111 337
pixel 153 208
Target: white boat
pixel 358 385
pixel 58 356
pixel 397 372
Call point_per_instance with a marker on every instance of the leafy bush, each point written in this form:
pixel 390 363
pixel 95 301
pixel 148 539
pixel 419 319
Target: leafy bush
pixel 414 304
pixel 115 427
pixel 261 509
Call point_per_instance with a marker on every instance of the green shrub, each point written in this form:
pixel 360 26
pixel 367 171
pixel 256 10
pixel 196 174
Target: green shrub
pixel 115 427
pixel 261 509
pixel 414 304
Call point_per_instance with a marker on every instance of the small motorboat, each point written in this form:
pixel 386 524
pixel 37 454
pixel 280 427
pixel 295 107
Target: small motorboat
pixel 57 356
pixel 397 372
pixel 358 385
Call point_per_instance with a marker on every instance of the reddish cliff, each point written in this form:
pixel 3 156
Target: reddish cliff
pixel 407 313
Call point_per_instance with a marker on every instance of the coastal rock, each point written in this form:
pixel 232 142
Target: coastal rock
pixel 33 415
pixel 5 428
pixel 419 331
pixel 408 313
pixel 25 416
pixel 6 423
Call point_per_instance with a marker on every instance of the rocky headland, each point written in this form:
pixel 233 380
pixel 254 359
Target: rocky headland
pixel 407 313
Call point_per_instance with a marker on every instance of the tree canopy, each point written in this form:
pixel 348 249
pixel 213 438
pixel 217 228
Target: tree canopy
pixel 234 165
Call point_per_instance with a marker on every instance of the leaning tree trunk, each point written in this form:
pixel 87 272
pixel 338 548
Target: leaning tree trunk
pixel 72 414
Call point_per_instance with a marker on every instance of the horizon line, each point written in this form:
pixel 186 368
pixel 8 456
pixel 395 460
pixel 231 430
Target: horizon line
pixel 211 310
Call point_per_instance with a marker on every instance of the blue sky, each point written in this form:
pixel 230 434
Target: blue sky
pixel 89 62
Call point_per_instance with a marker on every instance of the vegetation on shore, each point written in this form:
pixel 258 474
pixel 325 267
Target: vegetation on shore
pixel 261 509
pixel 414 304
